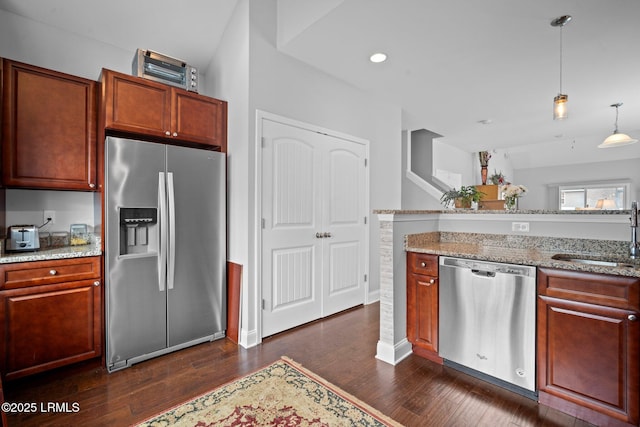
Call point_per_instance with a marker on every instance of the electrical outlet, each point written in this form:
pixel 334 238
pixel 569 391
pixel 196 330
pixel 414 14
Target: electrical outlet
pixel 520 226
pixel 49 214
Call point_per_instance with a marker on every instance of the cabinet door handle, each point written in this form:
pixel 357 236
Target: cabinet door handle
pixel 92 185
pixel 318 235
pixel 167 133
pixel 53 272
pixel 96 283
pixel 175 134
pixel 432 281
pixel 423 264
pixel 632 317
pixel 326 235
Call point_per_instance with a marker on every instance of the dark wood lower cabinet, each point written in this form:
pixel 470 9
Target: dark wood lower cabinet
pixel 588 346
pixel 50 315
pixel 422 304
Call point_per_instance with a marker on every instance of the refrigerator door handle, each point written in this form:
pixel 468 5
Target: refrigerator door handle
pixel 171 203
pixel 162 256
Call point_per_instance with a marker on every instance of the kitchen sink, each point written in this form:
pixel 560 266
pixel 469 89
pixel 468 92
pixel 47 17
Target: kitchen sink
pixel 593 260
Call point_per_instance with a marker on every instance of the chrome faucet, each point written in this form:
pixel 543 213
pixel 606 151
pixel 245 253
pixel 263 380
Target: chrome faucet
pixel 634 250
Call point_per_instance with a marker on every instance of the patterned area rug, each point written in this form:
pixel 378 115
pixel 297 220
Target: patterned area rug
pixel 281 394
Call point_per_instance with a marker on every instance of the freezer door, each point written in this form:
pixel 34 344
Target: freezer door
pixel 135 289
pixel 196 272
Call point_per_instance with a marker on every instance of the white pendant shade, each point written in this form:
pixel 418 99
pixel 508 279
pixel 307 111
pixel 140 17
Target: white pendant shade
pixel 617 140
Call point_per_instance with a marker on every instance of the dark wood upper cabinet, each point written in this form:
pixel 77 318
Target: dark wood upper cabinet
pixel 48 129
pixel 142 107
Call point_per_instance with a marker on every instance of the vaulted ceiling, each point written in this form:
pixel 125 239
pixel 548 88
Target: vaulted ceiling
pixel 451 64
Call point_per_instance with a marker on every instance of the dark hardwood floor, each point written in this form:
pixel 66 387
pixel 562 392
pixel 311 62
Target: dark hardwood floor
pixel 341 349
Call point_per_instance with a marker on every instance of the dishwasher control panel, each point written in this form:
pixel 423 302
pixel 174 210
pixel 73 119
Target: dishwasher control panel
pixel 494 267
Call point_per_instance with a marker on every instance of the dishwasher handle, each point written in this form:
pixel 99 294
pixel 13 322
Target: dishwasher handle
pixel 483 273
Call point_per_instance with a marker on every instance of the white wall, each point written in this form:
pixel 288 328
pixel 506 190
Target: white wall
pixel 281 85
pixel 37 44
pixel 542 182
pixel 414 197
pixel 228 76
pixel 251 74
pixel 45 46
pixel 70 207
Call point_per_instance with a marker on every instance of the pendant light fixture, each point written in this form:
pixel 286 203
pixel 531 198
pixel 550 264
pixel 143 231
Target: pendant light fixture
pixel 560 101
pixel 617 139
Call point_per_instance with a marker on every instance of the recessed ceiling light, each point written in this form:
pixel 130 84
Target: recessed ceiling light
pixel 378 57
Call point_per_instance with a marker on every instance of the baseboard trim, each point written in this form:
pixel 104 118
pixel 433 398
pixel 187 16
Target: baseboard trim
pixel 393 354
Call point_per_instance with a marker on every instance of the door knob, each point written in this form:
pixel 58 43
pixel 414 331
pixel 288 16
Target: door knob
pixel 632 317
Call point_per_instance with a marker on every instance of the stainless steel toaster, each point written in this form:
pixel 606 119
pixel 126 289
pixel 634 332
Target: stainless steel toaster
pixel 23 238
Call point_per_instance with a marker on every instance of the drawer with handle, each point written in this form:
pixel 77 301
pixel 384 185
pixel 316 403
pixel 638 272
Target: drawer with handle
pixel 425 264
pixel 36 273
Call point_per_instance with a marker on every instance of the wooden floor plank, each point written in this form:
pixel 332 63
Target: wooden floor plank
pixel 341 349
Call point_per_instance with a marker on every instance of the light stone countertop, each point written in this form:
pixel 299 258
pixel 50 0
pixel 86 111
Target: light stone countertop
pixel 64 252
pixel 526 250
pixel 495 212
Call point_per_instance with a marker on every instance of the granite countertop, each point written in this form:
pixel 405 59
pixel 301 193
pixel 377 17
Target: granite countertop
pixel 502 211
pixel 64 252
pixel 526 250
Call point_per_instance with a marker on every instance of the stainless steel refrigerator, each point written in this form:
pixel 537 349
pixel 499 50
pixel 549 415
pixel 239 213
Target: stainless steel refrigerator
pixel 165 249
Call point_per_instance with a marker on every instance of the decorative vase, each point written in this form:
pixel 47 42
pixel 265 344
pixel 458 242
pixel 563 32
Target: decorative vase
pixel 511 203
pixel 483 171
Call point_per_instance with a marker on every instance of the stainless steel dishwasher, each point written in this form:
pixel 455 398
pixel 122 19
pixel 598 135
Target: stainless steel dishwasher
pixel 487 321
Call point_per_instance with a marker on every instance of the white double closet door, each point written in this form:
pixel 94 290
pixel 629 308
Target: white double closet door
pixel 314 205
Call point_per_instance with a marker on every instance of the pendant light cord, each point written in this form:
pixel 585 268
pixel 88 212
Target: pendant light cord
pixel 561 59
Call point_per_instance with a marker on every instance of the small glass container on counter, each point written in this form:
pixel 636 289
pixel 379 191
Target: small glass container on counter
pixel 79 235
pixel 45 239
pixel 59 239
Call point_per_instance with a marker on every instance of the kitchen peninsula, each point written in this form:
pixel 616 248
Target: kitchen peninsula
pixel 570 227
pixel 586 282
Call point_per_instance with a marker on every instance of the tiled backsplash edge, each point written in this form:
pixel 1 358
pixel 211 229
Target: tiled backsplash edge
pixel 545 244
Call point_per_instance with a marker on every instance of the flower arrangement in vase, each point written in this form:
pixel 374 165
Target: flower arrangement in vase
pixel 497 178
pixel 511 194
